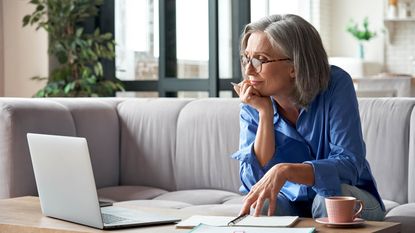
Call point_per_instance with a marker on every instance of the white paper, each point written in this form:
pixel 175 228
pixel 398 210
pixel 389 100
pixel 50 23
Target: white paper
pixel 263 221
pixel 209 229
pixel 269 221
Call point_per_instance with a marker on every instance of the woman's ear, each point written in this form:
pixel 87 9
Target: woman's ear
pixel 292 72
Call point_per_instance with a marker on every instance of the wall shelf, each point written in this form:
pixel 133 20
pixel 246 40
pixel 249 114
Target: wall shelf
pixel 400 19
pixel 390 24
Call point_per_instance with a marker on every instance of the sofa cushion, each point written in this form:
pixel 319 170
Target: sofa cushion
pixel 157 204
pixel 386 133
pixel 235 200
pixel 17 118
pixel 405 214
pixel 127 193
pixel 97 121
pixel 208 132
pixel 148 141
pixel 198 196
pixel 389 205
pixel 411 165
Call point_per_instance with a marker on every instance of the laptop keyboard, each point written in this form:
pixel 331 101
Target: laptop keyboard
pixel 109 218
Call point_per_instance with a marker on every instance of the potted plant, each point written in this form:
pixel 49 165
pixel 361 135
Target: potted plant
pixel 361 34
pixel 79 54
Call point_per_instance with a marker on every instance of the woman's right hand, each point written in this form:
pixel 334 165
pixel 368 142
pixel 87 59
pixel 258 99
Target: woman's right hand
pixel 249 95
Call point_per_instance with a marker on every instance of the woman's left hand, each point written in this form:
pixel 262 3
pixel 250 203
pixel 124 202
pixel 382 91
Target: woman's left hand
pixel 267 187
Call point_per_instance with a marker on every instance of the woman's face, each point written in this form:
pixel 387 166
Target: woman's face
pixel 275 78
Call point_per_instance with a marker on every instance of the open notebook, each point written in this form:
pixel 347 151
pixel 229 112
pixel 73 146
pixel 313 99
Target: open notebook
pixel 214 229
pixel 248 220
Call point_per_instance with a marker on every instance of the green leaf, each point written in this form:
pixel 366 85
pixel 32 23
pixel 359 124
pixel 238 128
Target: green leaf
pixel 92 80
pixel 26 20
pixel 98 69
pixel 96 32
pixel 360 34
pixel 79 31
pixel 40 7
pixel 107 36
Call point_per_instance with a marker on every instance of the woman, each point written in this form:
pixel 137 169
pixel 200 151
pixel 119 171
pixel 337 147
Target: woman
pixel 300 137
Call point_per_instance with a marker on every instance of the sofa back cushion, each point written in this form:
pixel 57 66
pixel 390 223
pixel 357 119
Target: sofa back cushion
pixel 96 119
pixel 207 133
pixel 148 141
pixel 385 128
pixel 17 118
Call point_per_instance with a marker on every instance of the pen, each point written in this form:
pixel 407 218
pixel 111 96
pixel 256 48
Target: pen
pixel 237 219
pixel 235 84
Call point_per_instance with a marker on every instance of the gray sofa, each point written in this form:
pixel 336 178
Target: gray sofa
pixel 174 153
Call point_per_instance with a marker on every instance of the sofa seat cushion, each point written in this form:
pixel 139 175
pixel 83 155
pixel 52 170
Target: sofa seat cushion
pixel 405 214
pixel 127 193
pixel 156 204
pixel 215 209
pixel 198 196
pixel 390 205
pixel 235 200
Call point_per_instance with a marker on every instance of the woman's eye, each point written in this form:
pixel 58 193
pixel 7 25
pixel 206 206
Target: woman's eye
pixel 262 58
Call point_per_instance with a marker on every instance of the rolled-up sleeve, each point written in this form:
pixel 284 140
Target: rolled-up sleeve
pixel 250 170
pixel 326 178
pixel 346 158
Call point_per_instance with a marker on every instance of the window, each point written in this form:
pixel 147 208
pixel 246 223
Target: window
pixel 261 8
pixel 183 48
pixel 192 36
pixel 136 35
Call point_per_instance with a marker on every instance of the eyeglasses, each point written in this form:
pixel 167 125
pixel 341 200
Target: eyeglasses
pixel 256 63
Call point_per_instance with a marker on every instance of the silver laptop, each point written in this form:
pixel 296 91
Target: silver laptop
pixel 66 185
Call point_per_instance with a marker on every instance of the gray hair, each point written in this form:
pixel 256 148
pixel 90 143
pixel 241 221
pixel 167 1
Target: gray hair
pixel 298 40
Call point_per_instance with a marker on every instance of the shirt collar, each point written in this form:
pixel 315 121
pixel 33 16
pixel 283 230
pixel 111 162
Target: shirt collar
pixel 282 126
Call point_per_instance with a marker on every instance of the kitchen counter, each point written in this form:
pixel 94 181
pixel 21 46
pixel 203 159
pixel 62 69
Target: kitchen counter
pixel 385 86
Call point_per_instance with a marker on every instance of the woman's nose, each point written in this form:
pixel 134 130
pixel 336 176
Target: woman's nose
pixel 249 69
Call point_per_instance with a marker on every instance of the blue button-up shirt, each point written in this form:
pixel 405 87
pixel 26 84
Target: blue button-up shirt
pixel 327 135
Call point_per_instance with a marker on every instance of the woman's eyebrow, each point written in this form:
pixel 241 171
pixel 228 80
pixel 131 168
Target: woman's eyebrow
pixel 258 53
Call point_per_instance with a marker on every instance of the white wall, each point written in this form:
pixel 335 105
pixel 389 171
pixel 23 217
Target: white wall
pixel 321 19
pixel 25 51
pixel 342 44
pixel 1 51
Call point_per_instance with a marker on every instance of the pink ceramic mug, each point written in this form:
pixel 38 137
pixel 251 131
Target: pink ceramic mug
pixel 341 209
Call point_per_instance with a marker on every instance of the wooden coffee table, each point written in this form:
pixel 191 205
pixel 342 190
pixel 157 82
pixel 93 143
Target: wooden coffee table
pixel 23 215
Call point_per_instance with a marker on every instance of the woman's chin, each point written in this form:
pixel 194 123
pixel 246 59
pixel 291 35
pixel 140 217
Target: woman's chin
pixel 262 93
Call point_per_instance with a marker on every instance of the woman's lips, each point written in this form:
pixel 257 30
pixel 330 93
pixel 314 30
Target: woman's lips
pixel 255 83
